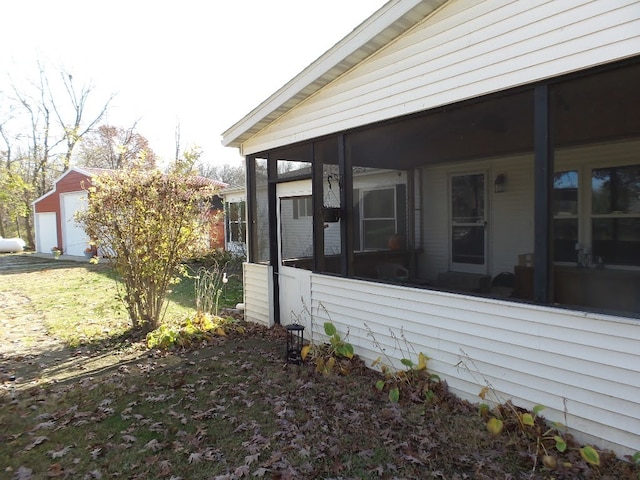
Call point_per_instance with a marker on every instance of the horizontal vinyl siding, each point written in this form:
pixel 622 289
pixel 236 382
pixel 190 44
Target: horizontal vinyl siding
pixel 464 50
pixel 529 354
pixel 614 154
pixel 435 190
pixel 511 225
pixel 257 294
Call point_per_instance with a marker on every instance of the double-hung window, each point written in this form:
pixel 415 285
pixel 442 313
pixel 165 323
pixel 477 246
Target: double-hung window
pixel 615 215
pixel 379 214
pixel 378 218
pixel 236 222
pixel 302 207
pixel 608 227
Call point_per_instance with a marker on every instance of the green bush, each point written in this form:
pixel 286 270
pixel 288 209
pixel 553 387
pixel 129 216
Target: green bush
pixel 195 330
pixel 223 259
pixel 148 222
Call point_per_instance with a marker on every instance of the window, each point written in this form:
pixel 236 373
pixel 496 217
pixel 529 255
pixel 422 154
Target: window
pixel 615 215
pixel 296 228
pixel 236 221
pixel 379 214
pixel 378 218
pixel 565 216
pixel 302 207
pixel 292 169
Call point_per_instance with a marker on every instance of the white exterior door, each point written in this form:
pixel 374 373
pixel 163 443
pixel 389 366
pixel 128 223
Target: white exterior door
pixel 295 239
pixel 74 238
pixel 468 222
pixel 46 232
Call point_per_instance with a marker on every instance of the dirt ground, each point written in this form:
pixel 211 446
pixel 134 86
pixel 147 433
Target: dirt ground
pixel 23 337
pixel 28 353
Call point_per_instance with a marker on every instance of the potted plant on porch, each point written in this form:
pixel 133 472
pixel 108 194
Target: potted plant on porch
pixel 91 251
pixel 330 214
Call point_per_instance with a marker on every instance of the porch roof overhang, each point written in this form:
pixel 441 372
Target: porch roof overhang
pixel 389 22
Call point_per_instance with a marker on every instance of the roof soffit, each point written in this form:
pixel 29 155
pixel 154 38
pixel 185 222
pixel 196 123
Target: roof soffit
pixel 388 23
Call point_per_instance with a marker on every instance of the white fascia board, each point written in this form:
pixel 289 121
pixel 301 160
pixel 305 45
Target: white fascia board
pixel 350 45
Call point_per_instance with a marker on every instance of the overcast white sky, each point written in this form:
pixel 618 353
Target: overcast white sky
pixel 202 64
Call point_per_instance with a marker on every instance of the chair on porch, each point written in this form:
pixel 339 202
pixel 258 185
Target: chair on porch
pixel 503 284
pixel 392 271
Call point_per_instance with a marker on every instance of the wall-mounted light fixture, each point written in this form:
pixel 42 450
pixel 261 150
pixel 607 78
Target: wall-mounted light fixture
pixel 499 183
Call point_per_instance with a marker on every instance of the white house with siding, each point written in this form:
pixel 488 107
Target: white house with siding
pixel 484 161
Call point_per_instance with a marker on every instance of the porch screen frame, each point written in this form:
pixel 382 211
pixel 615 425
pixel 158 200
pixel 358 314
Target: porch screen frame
pixel 543 180
pixel 252 208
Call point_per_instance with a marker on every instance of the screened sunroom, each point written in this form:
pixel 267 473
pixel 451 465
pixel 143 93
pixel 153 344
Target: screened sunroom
pixel 531 195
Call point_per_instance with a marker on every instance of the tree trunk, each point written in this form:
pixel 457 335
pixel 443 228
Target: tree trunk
pixel 29 228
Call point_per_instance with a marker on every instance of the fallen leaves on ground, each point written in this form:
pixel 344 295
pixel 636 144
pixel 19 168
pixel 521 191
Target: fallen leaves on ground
pixel 235 410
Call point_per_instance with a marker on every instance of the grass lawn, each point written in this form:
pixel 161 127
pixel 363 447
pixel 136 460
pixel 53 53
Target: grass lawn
pixel 80 304
pixel 104 407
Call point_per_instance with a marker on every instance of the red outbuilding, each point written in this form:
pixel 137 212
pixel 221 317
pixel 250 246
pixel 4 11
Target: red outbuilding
pixel 54 221
pixel 54 213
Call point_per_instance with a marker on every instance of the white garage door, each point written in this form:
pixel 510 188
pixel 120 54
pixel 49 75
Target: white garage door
pixel 74 238
pixel 46 232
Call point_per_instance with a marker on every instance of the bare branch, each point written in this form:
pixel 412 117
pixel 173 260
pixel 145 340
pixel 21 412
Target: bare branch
pixel 72 132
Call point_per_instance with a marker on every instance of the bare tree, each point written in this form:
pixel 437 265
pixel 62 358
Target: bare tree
pixel 51 121
pixel 233 175
pixel 5 168
pixel 177 141
pixel 73 127
pixel 39 149
pixel 115 148
pixel 13 189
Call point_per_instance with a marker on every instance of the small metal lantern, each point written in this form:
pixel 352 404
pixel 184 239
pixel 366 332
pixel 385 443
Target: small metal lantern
pixel 295 341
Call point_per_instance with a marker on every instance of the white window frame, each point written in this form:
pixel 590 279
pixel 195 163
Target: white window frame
pixel 585 214
pixel 570 216
pixel 590 216
pixel 303 207
pixel 362 194
pixel 241 223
